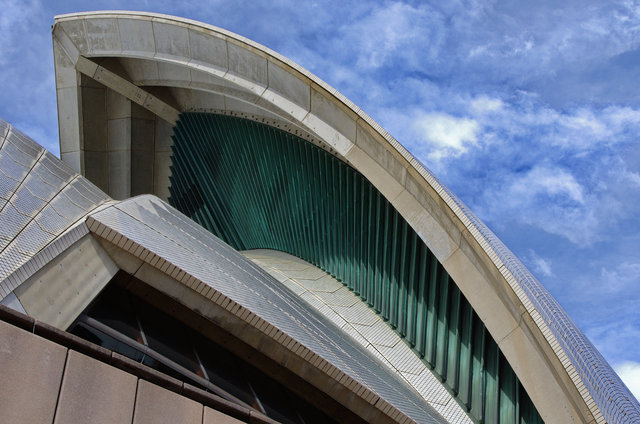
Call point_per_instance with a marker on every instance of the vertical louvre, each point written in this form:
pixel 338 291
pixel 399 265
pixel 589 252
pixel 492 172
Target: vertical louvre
pixel 453 344
pixel 491 382
pixel 442 325
pixel 464 358
pixel 508 393
pixel 255 186
pixel 478 369
pixel 432 312
pixel 423 295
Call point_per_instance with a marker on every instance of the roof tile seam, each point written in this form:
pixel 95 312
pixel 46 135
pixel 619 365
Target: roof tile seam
pixel 47 204
pixel 26 270
pixel 7 130
pixel 10 199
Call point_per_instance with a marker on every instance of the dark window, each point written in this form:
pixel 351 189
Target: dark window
pixel 122 322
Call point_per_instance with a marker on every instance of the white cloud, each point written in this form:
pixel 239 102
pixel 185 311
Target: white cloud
pixel 485 104
pixel 539 264
pixel 394 33
pixel 630 177
pixel 622 277
pixel 621 117
pixel 629 372
pixel 617 340
pixel 14 24
pixel 587 128
pixel 545 181
pixel 584 120
pixel 446 134
pixel 549 198
pixel 575 131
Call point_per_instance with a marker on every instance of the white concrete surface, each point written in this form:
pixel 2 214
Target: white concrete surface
pixel 57 298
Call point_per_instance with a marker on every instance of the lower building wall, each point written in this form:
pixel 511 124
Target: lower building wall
pixel 46 382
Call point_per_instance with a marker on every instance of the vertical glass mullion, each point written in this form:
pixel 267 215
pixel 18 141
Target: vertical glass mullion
pixel 442 339
pixel 342 228
pixel 263 197
pixel 329 185
pixel 508 392
pixel 354 237
pixel 239 210
pixel 350 230
pixel 233 175
pixel 423 296
pixel 527 413
pixel 432 311
pixel 361 192
pixel 315 210
pixel 208 185
pixel 464 379
pixel 371 231
pixel 386 247
pixel 402 289
pixel 292 195
pixel 377 255
pixel 285 219
pixel 491 386
pixel 303 192
pixel 412 285
pixel 337 202
pixel 364 232
pixel 269 161
pixel 304 202
pixel 236 143
pixel 393 270
pixel 324 262
pixel 477 369
pixel 331 224
pixel 453 348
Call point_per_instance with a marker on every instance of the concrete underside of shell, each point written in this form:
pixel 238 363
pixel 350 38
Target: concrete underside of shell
pixel 132 75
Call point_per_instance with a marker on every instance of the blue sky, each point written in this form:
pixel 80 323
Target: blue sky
pixel 529 112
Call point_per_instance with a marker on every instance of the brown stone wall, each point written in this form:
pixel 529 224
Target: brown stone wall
pixel 43 381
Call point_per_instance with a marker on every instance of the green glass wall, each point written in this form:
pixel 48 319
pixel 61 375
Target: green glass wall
pixel 258 187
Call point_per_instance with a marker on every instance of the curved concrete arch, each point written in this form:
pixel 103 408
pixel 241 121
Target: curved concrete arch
pixel 168 65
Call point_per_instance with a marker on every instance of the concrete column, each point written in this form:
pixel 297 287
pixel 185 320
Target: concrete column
pixel 162 159
pixel 69 112
pixel 119 145
pixel 94 132
pixel 142 150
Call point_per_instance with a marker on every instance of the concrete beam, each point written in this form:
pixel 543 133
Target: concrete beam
pixel 127 89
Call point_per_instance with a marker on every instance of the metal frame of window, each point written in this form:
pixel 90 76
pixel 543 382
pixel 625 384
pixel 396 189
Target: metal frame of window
pixel 94 325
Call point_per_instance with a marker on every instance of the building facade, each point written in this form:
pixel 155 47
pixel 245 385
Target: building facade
pixel 327 257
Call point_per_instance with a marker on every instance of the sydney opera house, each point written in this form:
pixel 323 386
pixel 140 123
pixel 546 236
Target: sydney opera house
pixel 226 238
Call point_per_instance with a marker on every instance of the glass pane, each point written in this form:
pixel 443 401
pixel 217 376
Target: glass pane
pixel 168 337
pixel 223 371
pixel 114 310
pixel 101 339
